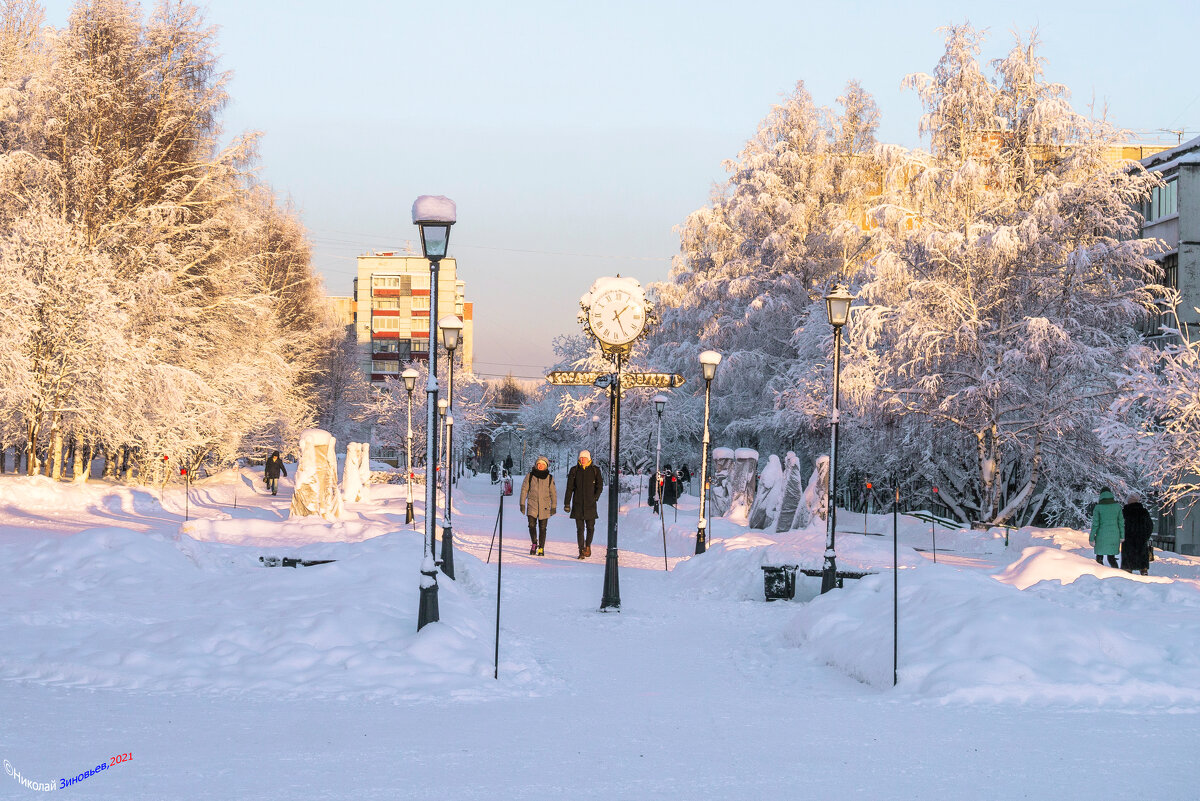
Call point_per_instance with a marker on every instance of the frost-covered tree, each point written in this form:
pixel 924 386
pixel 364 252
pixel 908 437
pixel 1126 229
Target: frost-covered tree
pixel 786 223
pixel 163 304
pixel 1004 289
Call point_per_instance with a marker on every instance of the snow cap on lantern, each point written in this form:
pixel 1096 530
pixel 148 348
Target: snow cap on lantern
pixel 433 208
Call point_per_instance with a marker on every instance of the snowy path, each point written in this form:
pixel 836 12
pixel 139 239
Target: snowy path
pixel 685 694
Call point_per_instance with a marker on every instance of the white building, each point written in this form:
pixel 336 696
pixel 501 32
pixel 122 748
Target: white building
pixel 1173 215
pixel 391 311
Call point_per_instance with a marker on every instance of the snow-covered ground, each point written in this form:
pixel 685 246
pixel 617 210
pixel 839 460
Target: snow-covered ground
pixel 1025 671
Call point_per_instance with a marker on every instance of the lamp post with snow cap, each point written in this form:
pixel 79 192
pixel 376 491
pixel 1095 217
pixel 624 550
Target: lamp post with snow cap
pixel 410 383
pixel 433 215
pixel 451 331
pixel 709 360
pixel 837 305
pixel 660 403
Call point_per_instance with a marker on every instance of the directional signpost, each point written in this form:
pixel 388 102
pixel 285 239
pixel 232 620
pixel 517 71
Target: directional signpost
pixel 584 378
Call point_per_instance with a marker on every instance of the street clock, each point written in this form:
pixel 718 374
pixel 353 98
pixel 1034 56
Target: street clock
pixel 615 311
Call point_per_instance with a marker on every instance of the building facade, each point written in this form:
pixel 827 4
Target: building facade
pixel 1172 215
pixel 391 312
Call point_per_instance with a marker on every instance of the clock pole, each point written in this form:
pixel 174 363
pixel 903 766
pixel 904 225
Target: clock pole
pixel 612 583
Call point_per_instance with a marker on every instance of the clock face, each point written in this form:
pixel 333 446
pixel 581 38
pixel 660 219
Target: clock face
pixel 617 316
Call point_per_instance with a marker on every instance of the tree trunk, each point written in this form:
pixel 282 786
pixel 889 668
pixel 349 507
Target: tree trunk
pixel 110 464
pixel 3 458
pixel 126 464
pixel 56 454
pixel 83 461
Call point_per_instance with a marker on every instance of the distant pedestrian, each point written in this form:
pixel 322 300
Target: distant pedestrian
pixel 670 490
pixel 271 471
pixel 508 463
pixel 1135 550
pixel 652 491
pixel 495 473
pixel 1108 528
pixel 538 500
pixel 685 475
pixel 584 485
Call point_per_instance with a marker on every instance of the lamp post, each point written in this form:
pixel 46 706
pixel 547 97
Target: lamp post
pixel 451 330
pixel 709 360
pixel 837 305
pixel 410 383
pixel 660 403
pixel 433 215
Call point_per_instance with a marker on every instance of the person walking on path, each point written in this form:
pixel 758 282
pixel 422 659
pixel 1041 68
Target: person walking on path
pixel 1108 528
pixel 685 475
pixel 272 470
pixel 584 485
pixel 538 499
pixel 1135 549
pixel 670 491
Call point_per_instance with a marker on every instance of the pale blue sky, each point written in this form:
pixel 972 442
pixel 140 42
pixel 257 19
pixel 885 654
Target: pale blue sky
pixel 575 136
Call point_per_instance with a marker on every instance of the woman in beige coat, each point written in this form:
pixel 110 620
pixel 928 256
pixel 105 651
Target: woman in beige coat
pixel 537 503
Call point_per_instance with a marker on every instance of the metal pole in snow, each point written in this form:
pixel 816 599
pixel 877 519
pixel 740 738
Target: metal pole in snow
pixel 933 528
pixel 499 572
pixel 896 587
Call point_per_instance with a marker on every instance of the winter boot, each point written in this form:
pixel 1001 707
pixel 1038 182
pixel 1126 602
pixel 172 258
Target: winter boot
pixel 533 549
pixel 587 551
pixel 541 551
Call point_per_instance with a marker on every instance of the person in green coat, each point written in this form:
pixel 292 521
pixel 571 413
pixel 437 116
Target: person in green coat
pixel 1108 528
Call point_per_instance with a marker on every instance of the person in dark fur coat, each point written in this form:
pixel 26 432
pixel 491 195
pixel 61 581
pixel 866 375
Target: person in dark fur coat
pixel 1135 549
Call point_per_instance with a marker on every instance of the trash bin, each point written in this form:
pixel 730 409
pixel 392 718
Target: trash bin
pixel 779 582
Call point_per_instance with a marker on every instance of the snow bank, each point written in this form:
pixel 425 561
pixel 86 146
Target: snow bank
pixel 164 612
pixel 965 637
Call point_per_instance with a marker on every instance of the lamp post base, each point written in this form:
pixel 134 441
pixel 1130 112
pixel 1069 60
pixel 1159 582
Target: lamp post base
pixel 701 547
pixel 408 513
pixel 447 561
pixel 611 602
pixel 428 611
pixel 829 574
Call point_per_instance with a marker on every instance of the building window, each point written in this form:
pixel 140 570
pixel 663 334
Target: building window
pixel 385 346
pixel 420 345
pixel 386 323
pixel 385 282
pixel 385 303
pixel 1164 201
pixel 420 303
pixel 379 366
pixel 1170 271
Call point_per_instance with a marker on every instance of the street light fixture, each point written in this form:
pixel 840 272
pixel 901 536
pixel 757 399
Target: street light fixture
pixel 837 306
pixel 451 330
pixel 433 215
pixel 410 383
pixel 709 360
pixel 660 403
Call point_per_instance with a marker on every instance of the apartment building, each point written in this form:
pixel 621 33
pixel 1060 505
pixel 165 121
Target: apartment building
pixel 1172 214
pixel 391 311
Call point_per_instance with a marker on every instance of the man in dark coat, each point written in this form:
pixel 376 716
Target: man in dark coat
pixel 670 491
pixel 1135 548
pixel 272 470
pixel 584 485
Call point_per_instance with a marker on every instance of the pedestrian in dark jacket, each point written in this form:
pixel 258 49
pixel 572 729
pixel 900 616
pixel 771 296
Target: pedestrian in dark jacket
pixel 1108 528
pixel 272 470
pixel 670 491
pixel 538 501
pixel 508 463
pixel 685 475
pixel 584 485
pixel 1135 549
